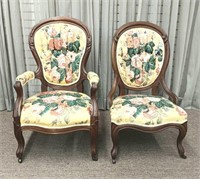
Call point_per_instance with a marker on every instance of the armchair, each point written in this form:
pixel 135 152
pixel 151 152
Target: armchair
pixel 61 47
pixel 140 56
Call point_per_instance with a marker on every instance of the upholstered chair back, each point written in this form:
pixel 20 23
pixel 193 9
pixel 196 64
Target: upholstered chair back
pixel 139 54
pixel 59 47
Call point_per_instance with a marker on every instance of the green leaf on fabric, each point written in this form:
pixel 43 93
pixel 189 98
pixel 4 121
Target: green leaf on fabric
pixel 152 59
pixel 57 36
pixel 70 47
pixel 163 103
pixel 135 35
pixel 160 59
pixel 38 101
pixel 140 108
pixel 74 95
pixel 48 107
pixel 126 102
pixel 56 53
pixel 151 44
pixel 77 44
pixel 71 103
pixel 64 50
pixel 148 48
pixel 131 52
pixel 75 49
pixel 62 72
pixel 147 67
pixel 75 63
pixel 54 63
pixel 81 103
pixel 74 46
pixel 159 52
pixel 148 123
pixel 159 121
pixel 128 62
pixel 152 65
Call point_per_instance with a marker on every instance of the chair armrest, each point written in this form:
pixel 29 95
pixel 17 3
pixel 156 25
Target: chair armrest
pixel 21 80
pixel 93 78
pixel 171 95
pixel 25 77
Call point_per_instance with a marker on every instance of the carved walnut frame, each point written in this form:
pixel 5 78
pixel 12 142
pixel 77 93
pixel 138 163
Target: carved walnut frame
pixel 160 81
pixel 93 128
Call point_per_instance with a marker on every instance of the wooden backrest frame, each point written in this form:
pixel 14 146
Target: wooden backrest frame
pixel 160 79
pixel 39 72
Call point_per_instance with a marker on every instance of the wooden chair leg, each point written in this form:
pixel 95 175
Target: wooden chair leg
pixel 114 135
pixel 94 134
pixel 182 133
pixel 20 141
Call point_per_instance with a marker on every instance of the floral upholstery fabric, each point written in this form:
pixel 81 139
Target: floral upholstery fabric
pixel 25 77
pixel 56 109
pixel 140 55
pixel 60 48
pixel 93 77
pixel 146 111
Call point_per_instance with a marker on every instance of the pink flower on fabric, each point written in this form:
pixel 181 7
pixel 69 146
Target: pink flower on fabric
pixel 52 32
pixel 129 41
pixel 136 61
pixel 180 111
pixel 55 43
pixel 37 109
pixel 69 75
pixel 58 43
pixel 50 99
pixel 71 56
pixel 62 61
pixel 136 42
pixel 55 74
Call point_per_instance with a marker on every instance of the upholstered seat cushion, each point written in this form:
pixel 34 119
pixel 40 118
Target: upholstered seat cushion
pixel 146 111
pixel 56 109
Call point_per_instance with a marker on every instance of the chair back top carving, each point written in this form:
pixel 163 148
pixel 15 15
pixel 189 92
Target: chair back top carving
pixel 61 47
pixel 140 54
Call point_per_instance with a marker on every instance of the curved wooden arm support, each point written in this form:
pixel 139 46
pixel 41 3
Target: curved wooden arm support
pixel 18 102
pixel 94 101
pixel 171 95
pixel 112 91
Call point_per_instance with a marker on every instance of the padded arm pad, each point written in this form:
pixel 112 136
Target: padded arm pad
pixel 25 77
pixel 93 78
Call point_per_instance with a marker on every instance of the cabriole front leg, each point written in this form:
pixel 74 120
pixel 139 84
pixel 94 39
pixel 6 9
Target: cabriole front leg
pixel 20 141
pixel 182 132
pixel 114 135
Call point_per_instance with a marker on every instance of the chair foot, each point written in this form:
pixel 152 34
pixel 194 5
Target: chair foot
pixel 114 161
pixel 19 160
pixel 95 157
pixel 183 156
pixel 114 154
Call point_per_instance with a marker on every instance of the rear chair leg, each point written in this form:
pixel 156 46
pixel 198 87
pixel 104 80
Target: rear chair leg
pixel 182 133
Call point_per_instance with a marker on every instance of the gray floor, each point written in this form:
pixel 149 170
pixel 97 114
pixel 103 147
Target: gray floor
pixel 68 156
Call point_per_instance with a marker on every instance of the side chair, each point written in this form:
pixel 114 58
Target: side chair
pixel 140 56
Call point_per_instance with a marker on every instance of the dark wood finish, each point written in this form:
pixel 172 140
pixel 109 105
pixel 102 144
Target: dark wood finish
pixel 93 128
pixel 160 81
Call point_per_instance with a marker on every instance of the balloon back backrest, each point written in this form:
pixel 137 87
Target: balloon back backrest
pixel 140 53
pixel 59 46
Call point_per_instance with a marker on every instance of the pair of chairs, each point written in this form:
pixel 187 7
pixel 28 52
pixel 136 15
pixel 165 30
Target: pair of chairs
pixel 61 46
